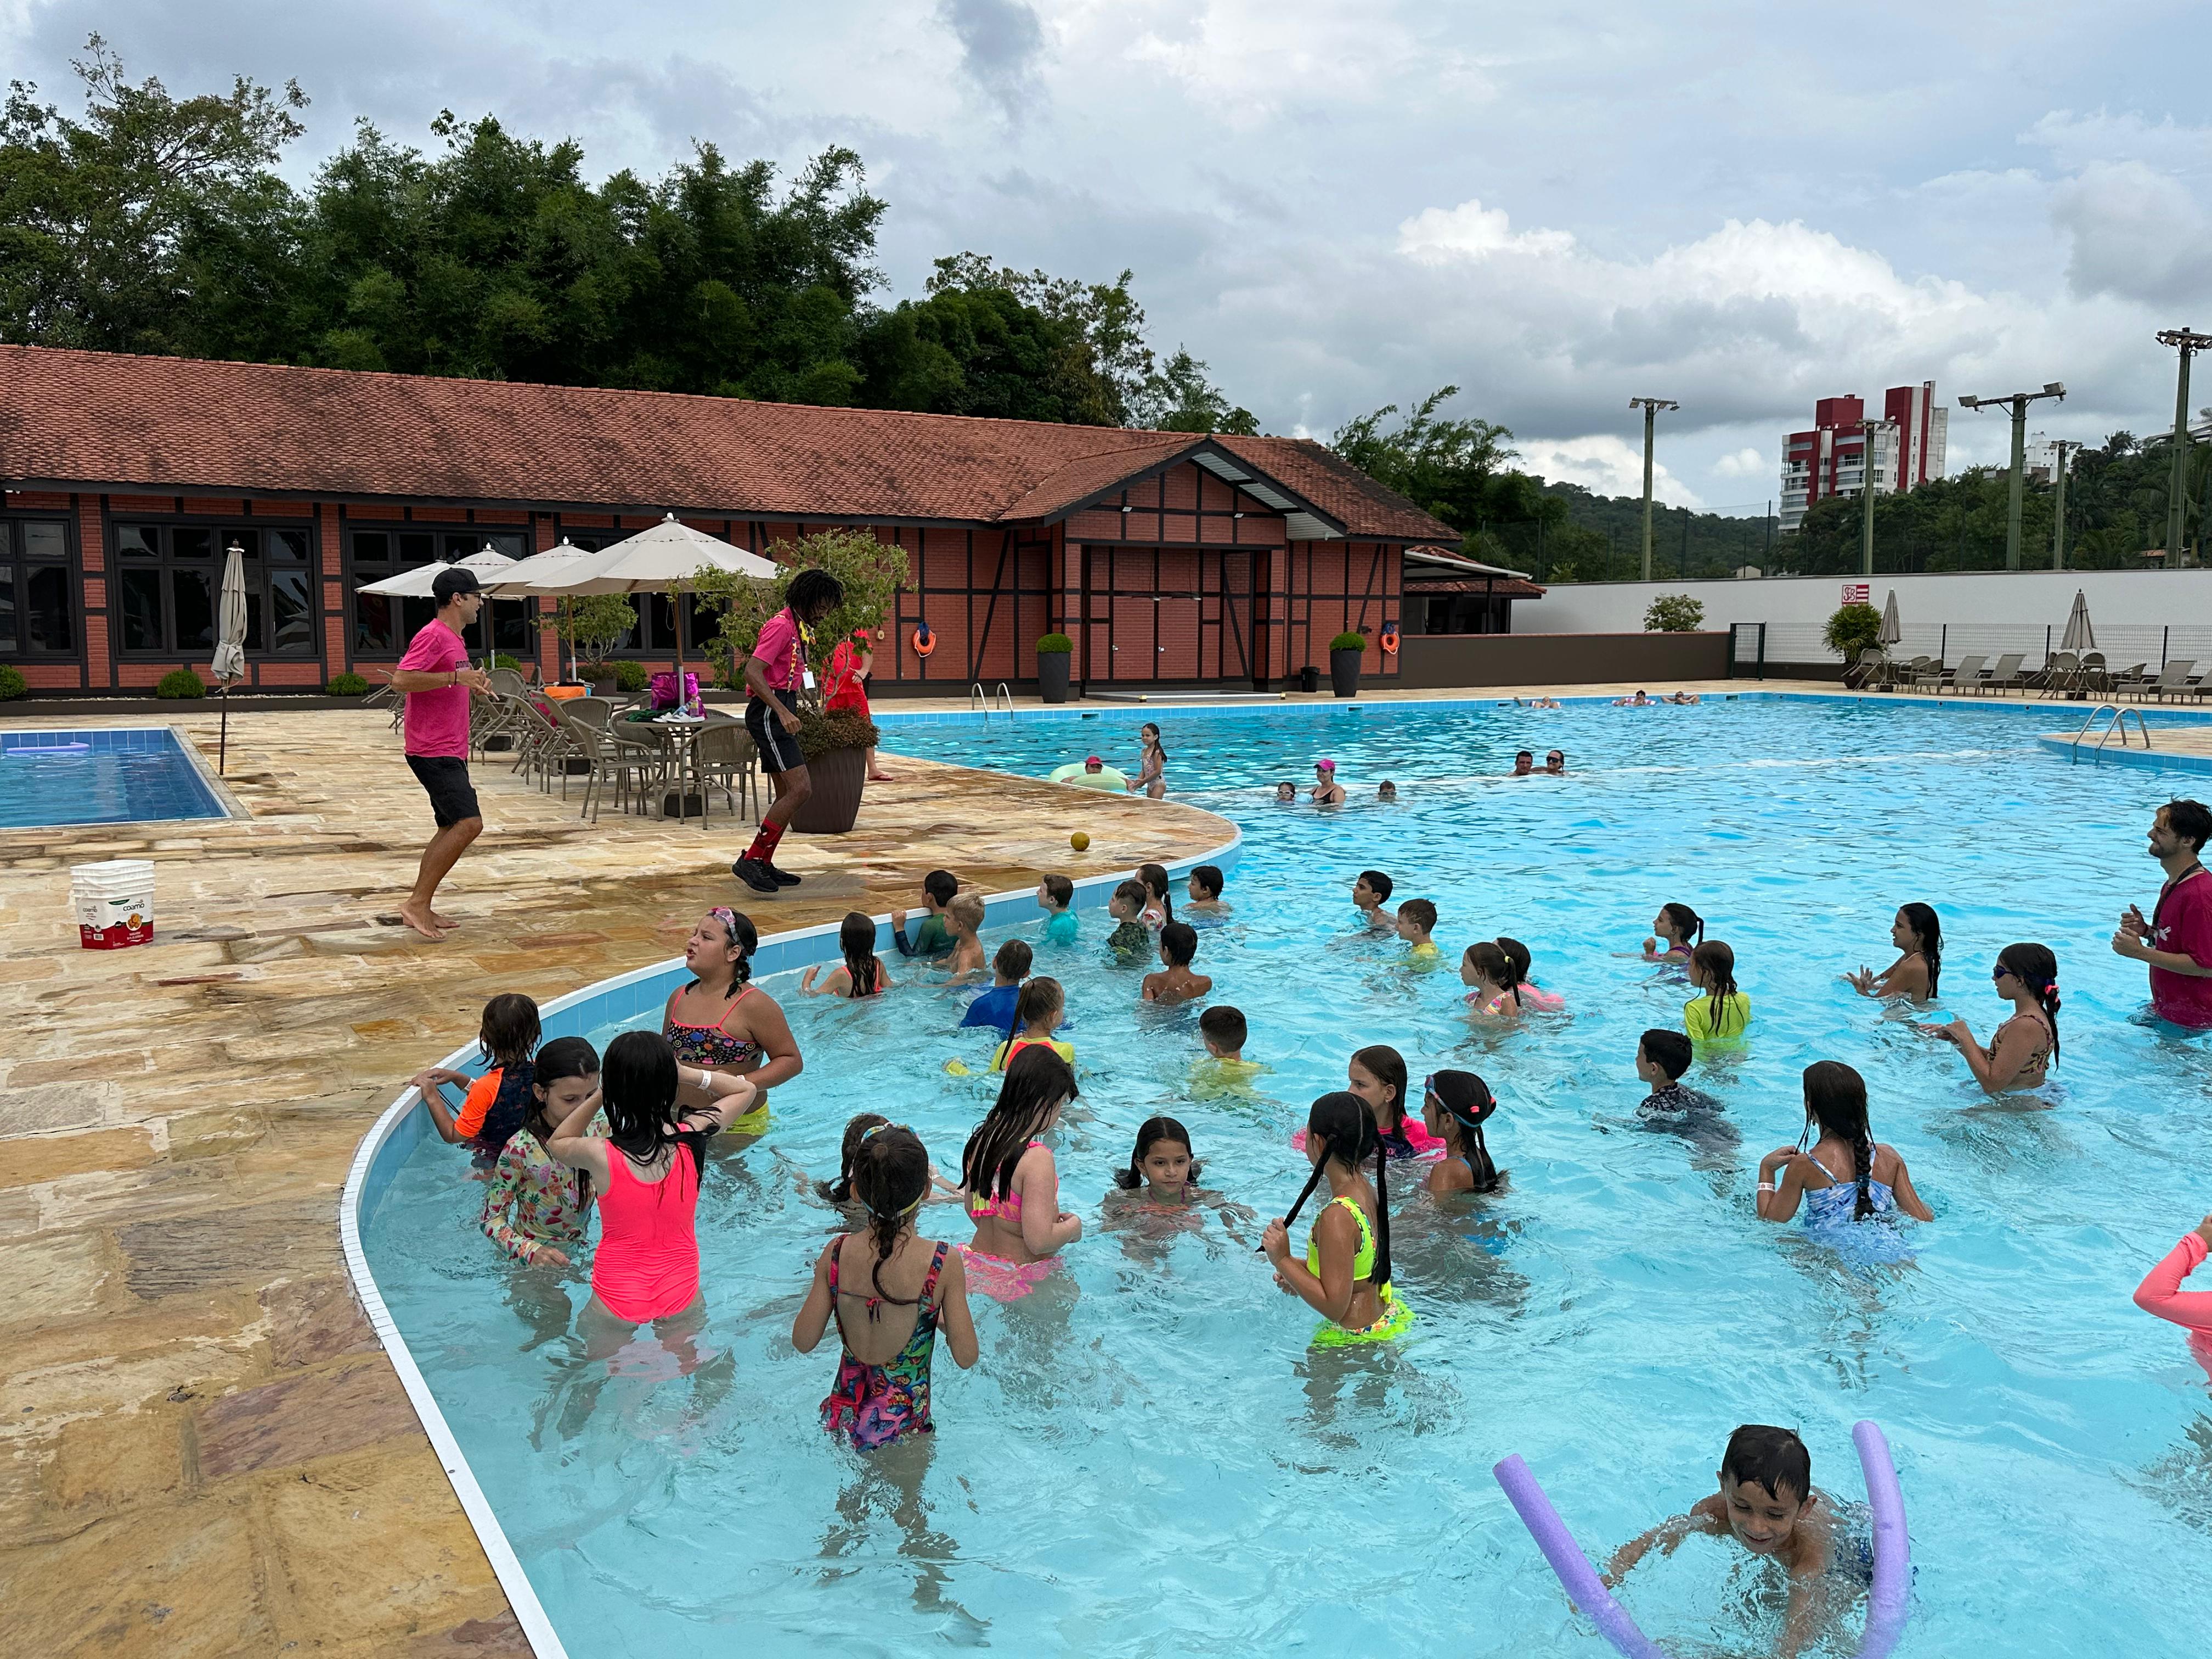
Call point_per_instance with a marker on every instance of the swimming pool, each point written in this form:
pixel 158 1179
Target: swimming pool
pixel 111 774
pixel 1151 1460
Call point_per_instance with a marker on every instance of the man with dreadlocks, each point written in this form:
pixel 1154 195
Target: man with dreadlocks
pixel 774 674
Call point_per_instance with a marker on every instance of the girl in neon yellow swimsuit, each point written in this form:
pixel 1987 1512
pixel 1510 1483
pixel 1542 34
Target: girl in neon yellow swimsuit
pixel 1345 1276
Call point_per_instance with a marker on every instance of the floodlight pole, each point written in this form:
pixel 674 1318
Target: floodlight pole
pixel 1650 406
pixel 2018 401
pixel 2058 502
pixel 1867 429
pixel 2187 342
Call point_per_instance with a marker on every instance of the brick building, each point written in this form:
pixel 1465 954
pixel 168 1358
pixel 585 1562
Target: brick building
pixel 1830 459
pixel 1170 558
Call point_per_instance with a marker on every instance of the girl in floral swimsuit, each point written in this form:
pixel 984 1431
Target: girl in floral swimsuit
pixel 882 1391
pixel 535 1208
pixel 722 1022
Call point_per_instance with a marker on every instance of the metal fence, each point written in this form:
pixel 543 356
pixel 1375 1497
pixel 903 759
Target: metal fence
pixel 2124 645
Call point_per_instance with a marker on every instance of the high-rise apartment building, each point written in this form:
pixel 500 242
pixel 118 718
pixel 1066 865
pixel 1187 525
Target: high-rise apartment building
pixel 1830 459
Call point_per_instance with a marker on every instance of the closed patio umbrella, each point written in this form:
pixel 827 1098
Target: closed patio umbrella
pixel 486 566
pixel 1892 629
pixel 2079 634
pixel 229 663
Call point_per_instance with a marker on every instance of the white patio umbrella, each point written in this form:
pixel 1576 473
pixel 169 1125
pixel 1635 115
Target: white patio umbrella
pixel 2079 634
pixel 229 663
pixel 668 558
pixel 524 576
pixel 1892 629
pixel 486 565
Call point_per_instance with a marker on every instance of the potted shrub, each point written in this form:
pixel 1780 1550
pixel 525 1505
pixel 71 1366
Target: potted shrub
pixel 346 685
pixel 835 746
pixel 180 682
pixel 12 684
pixel 1344 652
pixel 1054 653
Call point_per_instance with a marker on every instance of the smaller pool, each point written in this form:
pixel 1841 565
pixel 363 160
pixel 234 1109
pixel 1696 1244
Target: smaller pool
pixel 130 775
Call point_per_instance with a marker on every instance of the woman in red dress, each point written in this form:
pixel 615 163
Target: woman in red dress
pixel 845 688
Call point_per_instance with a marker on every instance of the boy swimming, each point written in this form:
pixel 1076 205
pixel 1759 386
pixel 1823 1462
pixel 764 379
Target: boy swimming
pixel 995 1007
pixel 1131 941
pixel 1204 891
pixel 1055 895
pixel 932 939
pixel 1662 1057
pixel 1224 1071
pixel 1417 919
pixel 964 915
pixel 1175 982
pixel 1369 890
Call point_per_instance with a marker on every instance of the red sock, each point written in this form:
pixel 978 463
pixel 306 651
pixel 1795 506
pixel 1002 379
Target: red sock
pixel 763 847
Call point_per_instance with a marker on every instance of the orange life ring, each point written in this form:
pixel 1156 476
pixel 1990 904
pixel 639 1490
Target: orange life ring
pixel 1390 639
pixel 924 640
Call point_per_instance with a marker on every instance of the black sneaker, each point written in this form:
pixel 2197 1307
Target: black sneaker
pixel 755 874
pixel 783 877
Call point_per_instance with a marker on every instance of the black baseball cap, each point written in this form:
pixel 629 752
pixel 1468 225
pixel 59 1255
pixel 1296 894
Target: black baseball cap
pixel 452 582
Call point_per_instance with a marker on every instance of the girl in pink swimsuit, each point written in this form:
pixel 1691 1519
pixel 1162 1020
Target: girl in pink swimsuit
pixel 2160 1292
pixel 647 1175
pixel 1011 1183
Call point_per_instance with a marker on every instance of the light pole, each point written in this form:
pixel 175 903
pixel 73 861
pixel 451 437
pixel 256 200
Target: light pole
pixel 1867 429
pixel 2187 342
pixel 2018 401
pixel 2058 448
pixel 1650 406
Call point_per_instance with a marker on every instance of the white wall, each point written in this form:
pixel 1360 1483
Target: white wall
pixel 2136 614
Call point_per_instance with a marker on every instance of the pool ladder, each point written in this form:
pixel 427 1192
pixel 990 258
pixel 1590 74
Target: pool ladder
pixel 979 702
pixel 2117 723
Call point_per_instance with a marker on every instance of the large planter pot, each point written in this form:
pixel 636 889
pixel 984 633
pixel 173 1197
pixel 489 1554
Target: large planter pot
pixel 838 778
pixel 1052 675
pixel 1344 673
pixel 601 679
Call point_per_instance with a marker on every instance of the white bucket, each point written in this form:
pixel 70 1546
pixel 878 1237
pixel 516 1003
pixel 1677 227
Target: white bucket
pixel 114 902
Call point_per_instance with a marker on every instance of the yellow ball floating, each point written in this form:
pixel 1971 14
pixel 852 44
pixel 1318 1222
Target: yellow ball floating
pixel 1079 841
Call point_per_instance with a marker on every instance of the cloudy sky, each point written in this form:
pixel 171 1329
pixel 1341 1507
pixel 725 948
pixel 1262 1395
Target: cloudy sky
pixel 1740 207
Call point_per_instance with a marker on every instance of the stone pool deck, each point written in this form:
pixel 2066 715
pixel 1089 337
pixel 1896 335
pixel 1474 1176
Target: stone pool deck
pixel 207 1452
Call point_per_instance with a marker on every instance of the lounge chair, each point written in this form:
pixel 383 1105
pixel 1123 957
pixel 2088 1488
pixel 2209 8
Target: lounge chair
pixel 2005 677
pixel 1968 672
pixel 2172 679
pixel 2129 682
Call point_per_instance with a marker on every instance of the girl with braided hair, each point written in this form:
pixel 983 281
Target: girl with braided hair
pixel 2023 1050
pixel 1877 1183
pixel 1455 1105
pixel 1346 1274
pixel 882 1390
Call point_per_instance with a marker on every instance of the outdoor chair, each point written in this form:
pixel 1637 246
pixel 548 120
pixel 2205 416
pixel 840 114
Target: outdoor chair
pixel 610 763
pixel 725 756
pixel 1932 678
pixel 543 745
pixel 594 710
pixel 2095 676
pixel 508 683
pixel 2132 682
pixel 2173 679
pixel 1968 672
pixel 2056 676
pixel 2005 677
pixel 1870 663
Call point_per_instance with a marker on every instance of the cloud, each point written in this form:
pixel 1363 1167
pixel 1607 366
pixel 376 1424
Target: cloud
pixel 2137 234
pixel 1001 46
pixel 1472 231
pixel 1606 465
pixel 1745 463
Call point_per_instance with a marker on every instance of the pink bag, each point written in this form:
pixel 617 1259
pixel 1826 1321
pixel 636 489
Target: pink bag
pixel 664 693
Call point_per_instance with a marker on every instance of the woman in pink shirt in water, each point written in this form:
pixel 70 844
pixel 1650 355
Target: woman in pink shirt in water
pixel 2161 1293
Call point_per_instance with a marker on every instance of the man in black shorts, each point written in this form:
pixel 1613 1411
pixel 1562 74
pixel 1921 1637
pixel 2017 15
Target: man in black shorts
pixel 437 680
pixel 776 673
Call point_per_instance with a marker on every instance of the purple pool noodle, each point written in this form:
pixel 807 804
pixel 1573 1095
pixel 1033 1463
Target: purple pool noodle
pixel 1892 1546
pixel 1576 1574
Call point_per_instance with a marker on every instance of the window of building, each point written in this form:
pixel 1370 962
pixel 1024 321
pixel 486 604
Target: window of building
pixel 165 589
pixel 383 626
pixel 37 614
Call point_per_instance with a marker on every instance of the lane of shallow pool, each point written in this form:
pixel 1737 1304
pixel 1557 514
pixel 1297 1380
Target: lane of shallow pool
pixel 1151 1459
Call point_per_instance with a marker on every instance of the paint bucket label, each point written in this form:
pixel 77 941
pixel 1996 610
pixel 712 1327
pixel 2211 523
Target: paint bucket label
pixel 114 903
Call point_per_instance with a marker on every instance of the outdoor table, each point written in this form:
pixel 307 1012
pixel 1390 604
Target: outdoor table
pixel 680 736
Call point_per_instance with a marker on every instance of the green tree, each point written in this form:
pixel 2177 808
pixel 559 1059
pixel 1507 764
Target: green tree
pixel 872 572
pixel 1673 613
pixel 1179 397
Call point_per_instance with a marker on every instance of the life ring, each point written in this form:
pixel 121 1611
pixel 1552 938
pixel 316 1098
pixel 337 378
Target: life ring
pixel 1390 639
pixel 924 640
pixel 1078 772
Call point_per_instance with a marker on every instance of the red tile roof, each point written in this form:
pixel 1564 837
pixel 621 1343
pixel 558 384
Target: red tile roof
pixel 181 425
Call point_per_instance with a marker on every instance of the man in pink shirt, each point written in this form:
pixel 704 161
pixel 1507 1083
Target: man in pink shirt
pixel 2176 941
pixel 437 679
pixel 776 673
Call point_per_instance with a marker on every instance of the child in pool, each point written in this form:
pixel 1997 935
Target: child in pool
pixel 1038 1012
pixel 862 973
pixel 1767 1504
pixel 1286 793
pixel 1877 1183
pixel 964 917
pixel 1675 932
pixel 1370 890
pixel 1377 1075
pixel 1532 994
pixel 1161 1183
pixel 1012 1182
pixel 1159 907
pixel 496 1102
pixel 838 1193
pixel 1224 1071
pixel 1662 1057
pixel 1175 982
pixel 1009 967
pixel 1055 894
pixel 1497 982
pixel 1917 933
pixel 932 939
pixel 1722 1011
pixel 2161 1293
pixel 1345 1275
pixel 882 1391
pixel 1386 792
pixel 1417 920
pixel 1131 941
pixel 535 1208
pixel 2023 1048
pixel 1455 1105
pixel 1202 893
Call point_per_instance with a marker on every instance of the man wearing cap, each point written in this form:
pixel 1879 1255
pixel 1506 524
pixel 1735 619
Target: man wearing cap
pixel 437 680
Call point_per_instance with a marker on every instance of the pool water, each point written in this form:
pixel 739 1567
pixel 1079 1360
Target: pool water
pixel 1151 1459
pixel 108 775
